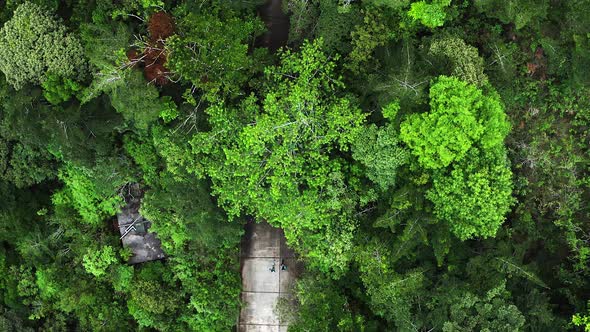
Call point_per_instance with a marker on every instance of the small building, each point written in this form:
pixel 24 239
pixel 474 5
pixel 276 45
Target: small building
pixel 134 228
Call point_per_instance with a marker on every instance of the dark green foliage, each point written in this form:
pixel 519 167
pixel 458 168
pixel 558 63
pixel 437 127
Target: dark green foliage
pixel 211 53
pixel 519 12
pixel 491 312
pixel 24 165
pixel 137 100
pixel 334 23
pixel 317 297
pixel 427 160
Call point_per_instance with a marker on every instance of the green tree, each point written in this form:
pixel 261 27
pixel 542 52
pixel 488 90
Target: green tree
pixel 57 89
pixel 391 294
pixel 105 46
pixel 319 306
pixel 137 100
pixel 372 33
pixel 582 321
pixel 474 198
pixel 432 14
pixel 334 26
pixel 466 64
pixel 211 53
pixel 281 162
pixel 378 149
pixel 34 43
pixel 85 191
pixel 460 116
pixel 492 312
pixel 25 165
pixel 96 262
pixel 519 12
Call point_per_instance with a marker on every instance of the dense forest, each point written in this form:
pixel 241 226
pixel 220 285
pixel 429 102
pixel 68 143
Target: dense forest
pixel 427 160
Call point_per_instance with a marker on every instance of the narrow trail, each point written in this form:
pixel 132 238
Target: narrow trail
pixel 263 247
pixel 277 25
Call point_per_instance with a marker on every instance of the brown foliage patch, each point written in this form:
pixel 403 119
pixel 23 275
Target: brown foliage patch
pixel 134 57
pixel 155 55
pixel 538 66
pixel 156 73
pixel 531 68
pixel 161 26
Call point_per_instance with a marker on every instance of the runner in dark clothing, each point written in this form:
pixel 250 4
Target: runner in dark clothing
pixel 283 266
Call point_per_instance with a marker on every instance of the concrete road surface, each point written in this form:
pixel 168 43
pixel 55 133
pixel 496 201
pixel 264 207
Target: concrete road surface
pixel 262 247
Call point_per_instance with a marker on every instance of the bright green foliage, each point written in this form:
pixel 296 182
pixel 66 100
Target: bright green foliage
pixel 123 278
pixel 80 191
pixel 582 321
pixel 169 112
pixel 519 12
pixel 34 43
pixel 465 129
pixel 211 53
pixel 144 154
pixel 475 196
pixel 491 312
pixel 465 61
pixel 97 262
pixel 57 89
pixel 174 148
pixel 432 14
pixel 279 162
pixel 460 116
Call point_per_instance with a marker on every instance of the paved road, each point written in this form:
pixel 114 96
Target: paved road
pixel 262 247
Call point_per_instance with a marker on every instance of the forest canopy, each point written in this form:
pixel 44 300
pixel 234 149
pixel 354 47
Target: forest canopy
pixel 428 162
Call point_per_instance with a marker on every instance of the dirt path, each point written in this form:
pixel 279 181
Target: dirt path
pixel 262 247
